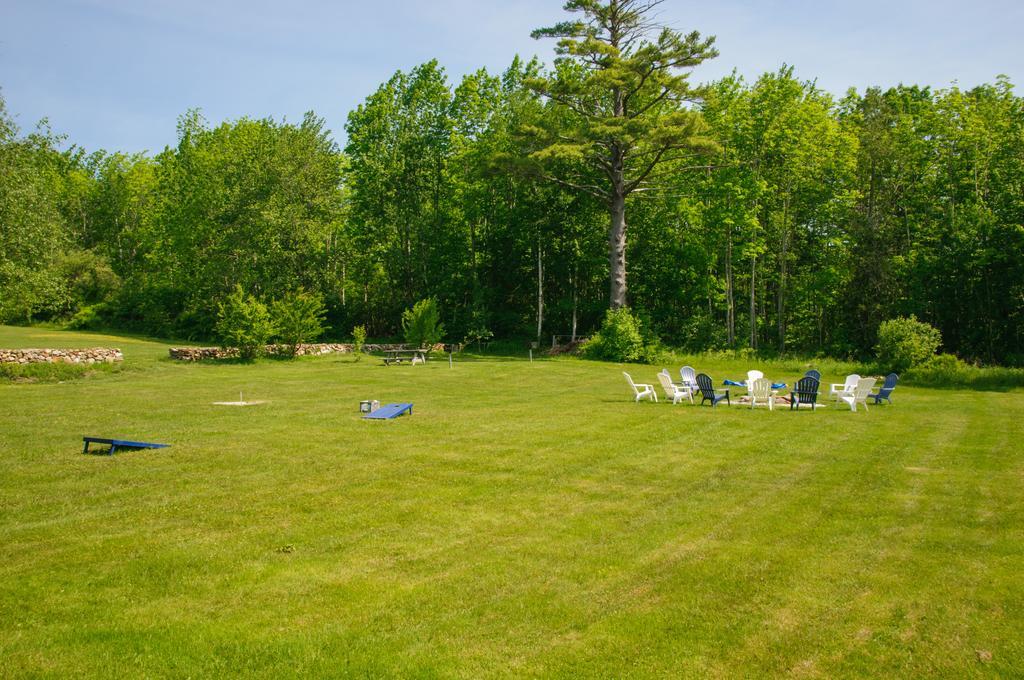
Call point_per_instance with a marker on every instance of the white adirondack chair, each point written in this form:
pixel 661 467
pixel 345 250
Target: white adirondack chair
pixel 673 391
pixel 641 390
pixel 838 390
pixel 751 377
pixel 859 394
pixel 689 378
pixel 760 391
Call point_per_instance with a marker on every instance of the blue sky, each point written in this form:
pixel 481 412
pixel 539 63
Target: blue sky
pixel 116 74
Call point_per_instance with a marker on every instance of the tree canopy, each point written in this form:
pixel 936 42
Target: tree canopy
pixel 778 216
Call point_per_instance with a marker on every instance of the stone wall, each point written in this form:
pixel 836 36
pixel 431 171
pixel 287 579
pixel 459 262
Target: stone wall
pixel 94 355
pixel 200 353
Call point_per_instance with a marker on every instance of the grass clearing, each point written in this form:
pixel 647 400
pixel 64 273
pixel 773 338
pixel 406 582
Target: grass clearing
pixel 527 520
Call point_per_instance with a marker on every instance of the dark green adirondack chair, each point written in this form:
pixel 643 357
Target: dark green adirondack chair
pixel 805 392
pixel 708 391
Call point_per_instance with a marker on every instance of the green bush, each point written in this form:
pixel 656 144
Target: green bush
pixel 620 338
pixel 942 370
pixel 299 318
pixel 655 353
pixel 244 322
pixel 422 324
pixel 358 340
pixel 88 279
pixel 946 363
pixel 90 317
pixel 905 343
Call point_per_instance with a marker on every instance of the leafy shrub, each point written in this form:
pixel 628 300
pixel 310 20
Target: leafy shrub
pixel 422 324
pixel 26 293
pixel 942 370
pixel 299 318
pixel 358 340
pixel 88 279
pixel 655 353
pixel 945 363
pixel 619 339
pixel 90 317
pixel 244 322
pixel 904 343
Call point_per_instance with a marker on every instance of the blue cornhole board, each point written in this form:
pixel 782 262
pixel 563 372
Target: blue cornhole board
pixel 116 444
pixel 389 411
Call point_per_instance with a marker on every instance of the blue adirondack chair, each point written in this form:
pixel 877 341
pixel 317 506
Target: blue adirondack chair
pixel 813 374
pixel 886 389
pixel 708 391
pixel 805 392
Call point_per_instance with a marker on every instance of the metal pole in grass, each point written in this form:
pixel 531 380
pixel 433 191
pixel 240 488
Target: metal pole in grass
pixel 531 355
pixel 450 360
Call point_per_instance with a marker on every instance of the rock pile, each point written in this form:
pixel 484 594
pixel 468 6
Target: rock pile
pixel 201 353
pixel 94 355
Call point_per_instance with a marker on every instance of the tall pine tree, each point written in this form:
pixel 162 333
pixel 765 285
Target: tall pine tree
pixel 622 79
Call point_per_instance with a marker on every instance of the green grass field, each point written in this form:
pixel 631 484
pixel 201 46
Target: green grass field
pixel 528 520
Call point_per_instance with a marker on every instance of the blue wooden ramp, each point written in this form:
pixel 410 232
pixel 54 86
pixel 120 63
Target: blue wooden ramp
pixel 116 444
pixel 389 411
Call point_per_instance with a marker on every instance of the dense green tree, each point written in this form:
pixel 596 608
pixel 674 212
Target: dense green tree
pixel 32 229
pixel 244 322
pixel 299 318
pixel 399 149
pixel 421 324
pixel 121 206
pixel 250 203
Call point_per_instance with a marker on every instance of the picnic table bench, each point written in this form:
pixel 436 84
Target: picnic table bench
pixel 397 356
pixel 116 444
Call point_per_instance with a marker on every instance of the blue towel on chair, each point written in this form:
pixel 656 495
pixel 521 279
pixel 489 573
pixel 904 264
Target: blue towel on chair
pixel 775 386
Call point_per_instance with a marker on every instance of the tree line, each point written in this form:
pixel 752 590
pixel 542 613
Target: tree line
pixel 777 216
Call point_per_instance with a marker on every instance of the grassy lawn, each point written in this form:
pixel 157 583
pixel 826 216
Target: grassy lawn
pixel 528 520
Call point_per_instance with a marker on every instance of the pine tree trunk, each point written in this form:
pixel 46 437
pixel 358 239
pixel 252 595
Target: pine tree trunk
pixel 753 306
pixel 782 277
pixel 730 312
pixel 575 302
pixel 540 287
pixel 617 248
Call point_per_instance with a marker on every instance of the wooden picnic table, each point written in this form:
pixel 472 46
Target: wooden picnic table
pixel 397 356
